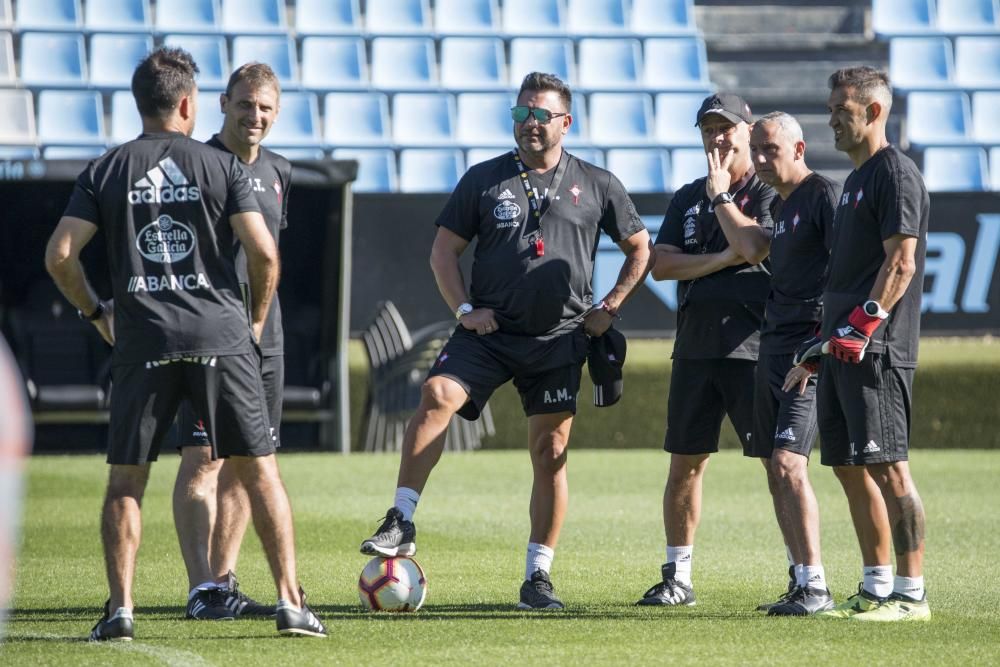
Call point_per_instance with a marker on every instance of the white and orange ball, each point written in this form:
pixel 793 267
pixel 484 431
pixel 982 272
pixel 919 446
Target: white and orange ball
pixel 392 584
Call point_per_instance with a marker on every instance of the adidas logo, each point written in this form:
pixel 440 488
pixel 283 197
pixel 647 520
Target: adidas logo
pixel 787 434
pixel 871 448
pixel 163 184
pixel 506 194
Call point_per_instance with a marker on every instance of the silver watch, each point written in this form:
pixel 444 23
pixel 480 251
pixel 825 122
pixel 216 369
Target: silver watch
pixel 463 309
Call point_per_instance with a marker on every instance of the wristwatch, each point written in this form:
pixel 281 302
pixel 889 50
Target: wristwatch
pixel 94 316
pixel 722 198
pixel 463 309
pixel 873 308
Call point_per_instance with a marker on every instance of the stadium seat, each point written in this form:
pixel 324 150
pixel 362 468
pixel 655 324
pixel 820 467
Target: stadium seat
pixel 125 121
pixel 242 17
pixel 902 17
pixel 72 152
pixel 919 63
pixel 356 119
pixel 298 122
pixel 8 73
pixel 968 17
pixel 938 118
pixel 484 119
pixel 955 169
pixel 113 58
pixel 397 17
pixel 662 17
pixel 430 169
pixel 676 63
pixel 53 59
pixel 675 116
pixel 534 17
pixel 19 153
pixel 187 16
pixel 49 15
pixel 995 168
pixel 275 50
pixel 211 54
pixel 977 62
pixel 621 119
pixel 210 116
pixel 17 117
pixel 327 17
pixel 477 155
pixel 298 152
pixel 473 63
pixel 594 156
pixel 640 169
pixel 70 118
pixel 6 14
pixel 985 128
pixel 118 16
pixel 596 17
pixel 610 64
pixel 376 168
pixel 539 54
pixel 402 63
pixel 423 119
pixel 334 63
pixel 466 17
pixel 686 165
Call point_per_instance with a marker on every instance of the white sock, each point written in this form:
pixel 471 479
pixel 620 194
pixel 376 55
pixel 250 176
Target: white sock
pixel 123 612
pixel 813 576
pixel 206 586
pixel 285 604
pixel 877 580
pixel 406 502
pixel 539 558
pixel 911 587
pixel 790 557
pixel 681 558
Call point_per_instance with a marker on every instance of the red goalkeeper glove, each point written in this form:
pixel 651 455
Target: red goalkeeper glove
pixel 849 343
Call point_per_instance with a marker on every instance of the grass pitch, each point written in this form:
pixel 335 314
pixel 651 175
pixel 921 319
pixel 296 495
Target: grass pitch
pixel 472 529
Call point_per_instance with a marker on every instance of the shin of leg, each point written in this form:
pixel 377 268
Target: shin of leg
pixel 798 505
pixel 121 529
pixel 682 498
pixel 548 437
pixel 868 512
pixel 231 521
pixel 906 515
pixel 423 442
pixel 194 504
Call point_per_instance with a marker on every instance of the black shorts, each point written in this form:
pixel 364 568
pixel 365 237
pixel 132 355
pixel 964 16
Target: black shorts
pixel 702 392
pixel 191 427
pixel 227 391
pixel 782 419
pixel 864 411
pixel 545 372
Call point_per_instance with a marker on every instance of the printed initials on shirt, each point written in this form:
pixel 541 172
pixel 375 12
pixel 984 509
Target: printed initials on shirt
pixel 255 184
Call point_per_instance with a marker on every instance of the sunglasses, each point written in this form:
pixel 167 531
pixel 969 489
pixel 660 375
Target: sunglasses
pixel 543 116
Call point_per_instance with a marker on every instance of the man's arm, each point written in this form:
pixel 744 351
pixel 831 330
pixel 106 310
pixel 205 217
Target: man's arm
pixel 638 263
pixel 745 236
pixel 445 253
pixel 263 264
pixel 673 264
pixel 897 270
pixel 62 261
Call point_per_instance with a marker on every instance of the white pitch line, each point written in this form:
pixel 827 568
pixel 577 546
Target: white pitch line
pixel 172 657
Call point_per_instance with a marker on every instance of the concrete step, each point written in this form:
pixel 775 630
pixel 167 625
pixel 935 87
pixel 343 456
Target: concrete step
pixel 779 20
pixel 789 81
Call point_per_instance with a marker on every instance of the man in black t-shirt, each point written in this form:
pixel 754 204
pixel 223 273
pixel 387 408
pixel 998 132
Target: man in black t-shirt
pixel 785 395
pixel 871 325
pixel 172 210
pixel 714 240
pixel 537 213
pixel 250 107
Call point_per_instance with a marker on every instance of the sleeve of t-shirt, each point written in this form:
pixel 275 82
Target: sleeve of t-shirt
pixel 286 188
pixel 461 212
pixel 83 202
pixel 899 198
pixel 672 228
pixel 240 197
pixel 825 210
pixel 620 219
pixel 762 207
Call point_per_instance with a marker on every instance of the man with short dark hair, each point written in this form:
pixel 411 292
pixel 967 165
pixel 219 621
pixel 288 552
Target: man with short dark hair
pixel 537 213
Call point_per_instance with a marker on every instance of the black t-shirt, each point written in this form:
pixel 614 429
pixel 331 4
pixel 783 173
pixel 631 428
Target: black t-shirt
pixel 719 315
pixel 800 250
pixel 270 178
pixel 884 197
pixel 164 201
pixel 531 295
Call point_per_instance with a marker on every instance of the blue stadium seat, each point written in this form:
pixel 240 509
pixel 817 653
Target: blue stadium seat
pixel 985 128
pixel 397 17
pixel 423 119
pixel 71 118
pixel 540 54
pixel 640 169
pixel 466 17
pixel 968 17
pixel 299 152
pixel 610 64
pixel 686 165
pixel 473 63
pixel 125 121
pixel 242 17
pixel 211 54
pixel 17 117
pixel 187 16
pixel 676 63
pixel 430 169
pixel 675 116
pixel 477 155
pixel 298 122
pixel 403 63
pixel 484 119
pixel 596 17
pixel 534 17
pixel 276 50
pixel 938 118
pixel 209 118
pixel 19 153
pixel 955 169
pixel 594 156
pixel 49 15
pixel 995 168
pixel 8 74
pixel 356 119
pixel 376 168
pixel 334 63
pixel 327 17
pixel 621 119
pixel 579 132
pixel 917 63
pixel 662 17
pixel 118 16
pixel 72 152
pixel 903 17
pixel 6 14
pixel 977 62
pixel 53 59
pixel 113 58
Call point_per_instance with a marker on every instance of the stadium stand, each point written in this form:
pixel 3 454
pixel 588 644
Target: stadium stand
pixel 662 17
pixel 938 118
pixel 49 15
pixel 955 169
pixel 977 62
pixel 534 17
pixel 403 63
pixel 919 63
pixel 300 125
pixel 275 50
pixel 677 63
pixel 8 71
pixel 327 17
pixel 471 63
pixel 376 168
pixel 211 54
pixel 241 17
pixel 686 165
pixel 995 168
pixel 596 17
pixel 423 119
pixel 968 17
pixel 609 64
pixel 398 17
pixel 903 17
pixel 210 117
pixel 118 16
pixel 53 60
pixel 71 118
pixel 430 169
pixel 542 54
pixel 484 119
pixel 356 119
pixel 17 111
pixel 640 169
pixel 189 16
pixel 334 63
pixel 125 121
pixel 985 128
pixel 621 119
pixel 6 14
pixel 674 119
pixel 466 17
pixel 113 58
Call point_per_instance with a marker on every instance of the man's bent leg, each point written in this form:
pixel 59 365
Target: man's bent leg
pixel 905 514
pixel 121 529
pixel 440 398
pixel 194 504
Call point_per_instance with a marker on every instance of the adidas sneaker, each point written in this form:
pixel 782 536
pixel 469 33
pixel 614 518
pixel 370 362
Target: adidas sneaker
pixel 395 537
pixel 670 592
pixel 117 628
pixel 298 620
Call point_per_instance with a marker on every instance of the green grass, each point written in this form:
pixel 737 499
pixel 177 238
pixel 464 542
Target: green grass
pixel 472 532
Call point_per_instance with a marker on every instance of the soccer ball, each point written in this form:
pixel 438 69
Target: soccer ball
pixel 392 584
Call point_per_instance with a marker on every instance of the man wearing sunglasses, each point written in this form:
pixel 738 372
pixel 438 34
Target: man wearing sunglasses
pixel 537 213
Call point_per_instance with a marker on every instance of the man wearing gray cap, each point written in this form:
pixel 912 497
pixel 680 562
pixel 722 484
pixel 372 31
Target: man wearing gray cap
pixel 713 240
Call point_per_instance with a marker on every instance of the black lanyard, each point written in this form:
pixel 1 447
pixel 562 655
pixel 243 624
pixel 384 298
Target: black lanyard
pixel 534 200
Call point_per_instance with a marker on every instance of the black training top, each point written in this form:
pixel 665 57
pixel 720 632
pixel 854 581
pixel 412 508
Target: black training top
pixel 532 295
pixel 270 179
pixel 719 315
pixel 884 197
pixel 163 201
pixel 800 250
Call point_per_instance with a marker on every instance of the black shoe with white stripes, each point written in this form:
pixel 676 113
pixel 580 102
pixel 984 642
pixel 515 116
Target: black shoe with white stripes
pixel 117 628
pixel 792 587
pixel 242 604
pixel 302 621
pixel 669 592
pixel 209 604
pixel 537 593
pixel 805 601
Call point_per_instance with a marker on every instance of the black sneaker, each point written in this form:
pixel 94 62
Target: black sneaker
pixel 805 601
pixel 209 604
pixel 792 586
pixel 395 537
pixel 242 604
pixel 669 592
pixel 537 593
pixel 117 628
pixel 303 621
